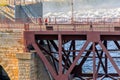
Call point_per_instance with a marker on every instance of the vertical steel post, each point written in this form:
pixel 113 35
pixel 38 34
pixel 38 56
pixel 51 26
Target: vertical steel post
pixel 73 49
pixel 94 62
pixel 106 71
pixel 60 53
pixel 26 26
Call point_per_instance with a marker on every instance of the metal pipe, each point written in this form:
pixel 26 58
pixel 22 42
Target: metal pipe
pixel 72 11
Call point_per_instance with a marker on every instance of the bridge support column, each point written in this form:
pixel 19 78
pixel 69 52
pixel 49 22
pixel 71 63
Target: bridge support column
pixel 38 70
pixel 24 63
pixel 31 67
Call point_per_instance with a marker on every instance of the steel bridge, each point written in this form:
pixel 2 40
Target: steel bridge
pixel 93 36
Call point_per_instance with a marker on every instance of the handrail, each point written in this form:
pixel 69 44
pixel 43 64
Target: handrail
pixel 65 20
pixel 61 26
pixel 79 20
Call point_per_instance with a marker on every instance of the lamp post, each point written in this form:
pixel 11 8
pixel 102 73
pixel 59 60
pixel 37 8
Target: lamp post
pixel 72 12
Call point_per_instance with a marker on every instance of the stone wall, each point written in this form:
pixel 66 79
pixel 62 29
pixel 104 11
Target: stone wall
pixel 42 72
pixel 31 67
pixel 18 64
pixel 11 42
pixel 24 63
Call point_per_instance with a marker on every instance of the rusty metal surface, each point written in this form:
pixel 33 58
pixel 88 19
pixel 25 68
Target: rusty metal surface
pixel 66 65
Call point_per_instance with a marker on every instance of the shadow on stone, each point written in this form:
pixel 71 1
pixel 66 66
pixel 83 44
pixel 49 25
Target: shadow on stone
pixel 3 74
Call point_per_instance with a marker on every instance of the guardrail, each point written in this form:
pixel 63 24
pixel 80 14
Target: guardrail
pixel 79 20
pixel 82 24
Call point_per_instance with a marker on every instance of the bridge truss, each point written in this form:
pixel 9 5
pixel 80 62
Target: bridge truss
pixel 74 50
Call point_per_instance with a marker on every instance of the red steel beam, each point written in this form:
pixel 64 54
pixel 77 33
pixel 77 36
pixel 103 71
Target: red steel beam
pixel 77 58
pixel 94 62
pixel 64 56
pixel 60 53
pixel 83 61
pixel 46 62
pixel 100 61
pixel 110 58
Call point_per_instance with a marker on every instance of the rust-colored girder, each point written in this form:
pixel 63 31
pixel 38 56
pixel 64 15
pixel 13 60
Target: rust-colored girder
pixel 70 52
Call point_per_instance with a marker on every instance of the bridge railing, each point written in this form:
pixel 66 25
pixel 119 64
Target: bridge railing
pixel 79 20
pixel 64 24
pixel 72 27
